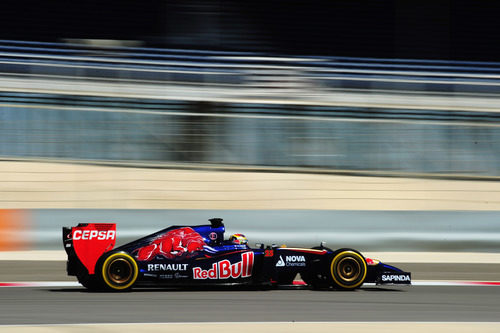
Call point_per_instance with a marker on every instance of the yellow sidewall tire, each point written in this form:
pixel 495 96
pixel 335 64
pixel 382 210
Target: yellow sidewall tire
pixel 122 257
pixel 359 259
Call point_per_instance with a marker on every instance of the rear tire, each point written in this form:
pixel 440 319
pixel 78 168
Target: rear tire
pixel 347 269
pixel 119 271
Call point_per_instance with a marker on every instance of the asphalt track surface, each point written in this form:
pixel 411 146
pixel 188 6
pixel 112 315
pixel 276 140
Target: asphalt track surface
pixel 63 305
pixel 75 305
pixel 26 270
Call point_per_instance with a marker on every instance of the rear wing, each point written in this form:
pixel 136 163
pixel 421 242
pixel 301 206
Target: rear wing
pixel 87 242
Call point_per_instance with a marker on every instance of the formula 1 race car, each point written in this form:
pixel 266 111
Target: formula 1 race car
pixel 181 256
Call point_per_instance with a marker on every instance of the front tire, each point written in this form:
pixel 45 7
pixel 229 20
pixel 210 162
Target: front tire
pixel 348 269
pixel 119 271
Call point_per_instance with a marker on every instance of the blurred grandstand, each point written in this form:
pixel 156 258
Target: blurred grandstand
pixel 341 87
pixel 155 106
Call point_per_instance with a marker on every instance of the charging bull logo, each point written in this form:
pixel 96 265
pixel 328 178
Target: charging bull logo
pixel 225 270
pixel 172 244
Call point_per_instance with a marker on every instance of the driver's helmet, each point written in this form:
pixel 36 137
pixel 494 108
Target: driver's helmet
pixel 239 239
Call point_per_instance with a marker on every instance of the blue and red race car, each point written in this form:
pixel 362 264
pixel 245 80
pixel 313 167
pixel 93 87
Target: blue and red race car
pixel 181 256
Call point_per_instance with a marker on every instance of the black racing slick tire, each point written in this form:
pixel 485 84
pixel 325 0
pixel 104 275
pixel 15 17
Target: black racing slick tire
pixel 347 269
pixel 119 271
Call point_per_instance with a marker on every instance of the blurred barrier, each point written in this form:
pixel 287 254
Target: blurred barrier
pixel 67 185
pixel 311 137
pixel 364 230
pixel 163 106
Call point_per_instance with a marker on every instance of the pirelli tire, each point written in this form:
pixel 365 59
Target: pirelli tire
pixel 347 269
pixel 118 271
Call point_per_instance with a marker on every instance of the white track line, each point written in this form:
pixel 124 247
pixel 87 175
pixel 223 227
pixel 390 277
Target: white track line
pixel 215 323
pixel 264 327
